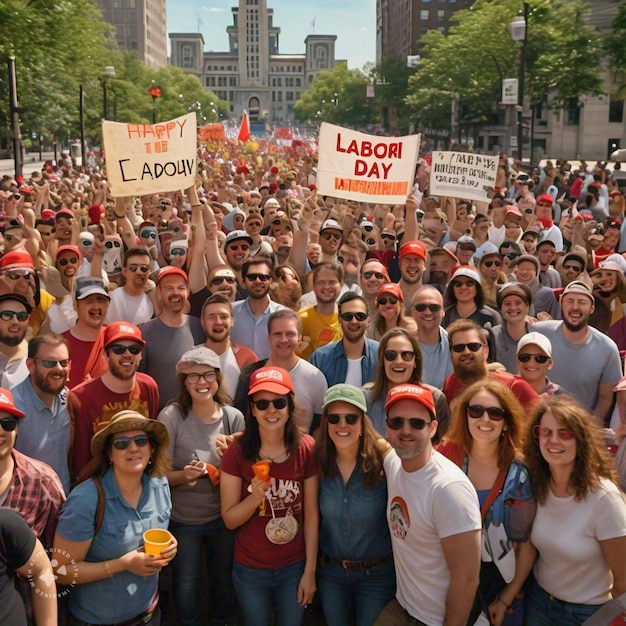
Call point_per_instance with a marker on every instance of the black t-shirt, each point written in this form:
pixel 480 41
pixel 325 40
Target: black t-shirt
pixel 17 543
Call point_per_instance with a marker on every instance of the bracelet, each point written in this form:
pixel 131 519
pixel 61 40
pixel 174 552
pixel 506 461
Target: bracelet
pixel 499 599
pixel 195 205
pixel 106 569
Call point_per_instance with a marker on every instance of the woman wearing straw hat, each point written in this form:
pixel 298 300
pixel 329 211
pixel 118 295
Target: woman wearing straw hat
pixel 98 545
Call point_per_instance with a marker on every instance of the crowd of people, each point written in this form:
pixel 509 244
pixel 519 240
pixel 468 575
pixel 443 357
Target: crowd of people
pixel 405 414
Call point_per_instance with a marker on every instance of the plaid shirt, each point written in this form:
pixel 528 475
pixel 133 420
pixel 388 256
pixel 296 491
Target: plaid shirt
pixel 37 494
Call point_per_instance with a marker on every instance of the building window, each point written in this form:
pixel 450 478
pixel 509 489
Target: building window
pixel 572 113
pixel 232 81
pixel 424 15
pixel 616 111
pixel 189 60
pixel 441 15
pixel 298 82
pixel 289 96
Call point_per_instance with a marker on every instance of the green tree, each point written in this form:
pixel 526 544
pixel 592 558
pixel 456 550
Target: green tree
pixel 615 46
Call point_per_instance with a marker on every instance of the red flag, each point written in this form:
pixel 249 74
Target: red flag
pixel 244 128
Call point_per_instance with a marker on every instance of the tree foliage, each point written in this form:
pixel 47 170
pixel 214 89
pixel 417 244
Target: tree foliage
pixel 615 45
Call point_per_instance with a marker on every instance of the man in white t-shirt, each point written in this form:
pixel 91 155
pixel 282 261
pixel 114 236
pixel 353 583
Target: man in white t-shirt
pixel 433 516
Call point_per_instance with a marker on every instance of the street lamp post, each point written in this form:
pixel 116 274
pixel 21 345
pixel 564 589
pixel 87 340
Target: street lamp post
pixel 110 73
pixel 519 32
pixel 155 92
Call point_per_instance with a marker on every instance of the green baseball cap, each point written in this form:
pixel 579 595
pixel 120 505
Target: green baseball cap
pixel 346 393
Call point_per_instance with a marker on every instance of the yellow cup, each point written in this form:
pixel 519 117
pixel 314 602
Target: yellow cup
pixel 156 540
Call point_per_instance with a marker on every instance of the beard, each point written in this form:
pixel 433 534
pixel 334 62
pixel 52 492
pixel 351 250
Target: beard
pixel 574 328
pixel 47 384
pixel 120 373
pixel 12 340
pixel 437 277
pixel 471 372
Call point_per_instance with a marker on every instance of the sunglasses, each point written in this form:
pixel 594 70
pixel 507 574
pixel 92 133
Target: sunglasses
pixel 416 423
pixel 178 252
pixel 464 283
pixel 378 275
pixel 8 424
pixel 351 418
pixel 218 280
pixel 209 377
pixel 472 347
pixel 254 224
pixel 390 299
pixel 144 269
pixel 50 363
pixel 84 242
pixel 331 236
pixel 564 434
pixel 490 263
pixel 569 266
pixel 539 358
pixel 495 413
pixel 119 349
pixel 389 237
pixel 17 274
pixel 348 317
pixel 262 277
pixel 242 247
pixel 123 443
pixel 109 245
pixel 7 316
pixel 148 233
pixel 529 210
pixel 511 256
pixel 263 405
pixel 392 355
pixel 433 308
pixel 64 262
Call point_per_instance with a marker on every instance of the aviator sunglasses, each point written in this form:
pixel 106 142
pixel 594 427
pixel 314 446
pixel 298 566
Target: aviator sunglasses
pixel 123 443
pixel 416 423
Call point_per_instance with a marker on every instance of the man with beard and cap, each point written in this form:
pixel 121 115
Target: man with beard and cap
pixel 412 257
pixel 441 263
pixel 170 335
pixel 45 433
pixel 586 362
pixel 468 348
pixel 14 317
pixel 121 387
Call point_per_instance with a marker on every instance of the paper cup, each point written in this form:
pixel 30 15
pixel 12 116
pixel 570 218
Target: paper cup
pixel 261 470
pixel 156 540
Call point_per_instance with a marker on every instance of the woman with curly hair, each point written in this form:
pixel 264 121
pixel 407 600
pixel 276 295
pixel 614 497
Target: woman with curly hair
pixel 389 305
pixel 356 574
pixel 485 441
pixel 580 527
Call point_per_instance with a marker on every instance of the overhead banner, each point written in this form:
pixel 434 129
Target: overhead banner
pixel 463 175
pixel 150 158
pixel 366 168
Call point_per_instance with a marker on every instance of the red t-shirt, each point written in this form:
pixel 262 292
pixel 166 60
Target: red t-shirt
pixel 91 403
pixel 80 351
pixel 262 542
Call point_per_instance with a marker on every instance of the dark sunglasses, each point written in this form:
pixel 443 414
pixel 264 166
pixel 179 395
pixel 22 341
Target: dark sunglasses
pixel 9 424
pixel 529 210
pixel 262 277
pixel 178 252
pixel 464 283
pixel 148 233
pixel 416 423
pixel 218 280
pixel 472 347
pixel 118 348
pixel 564 434
pixel 17 274
pixel 263 405
pixel 50 363
pixel 331 236
pixel 495 413
pixel 242 247
pixel 490 263
pixel 109 245
pixel 139 268
pixel 392 355
pixel 433 308
pixel 64 262
pixel 390 299
pixel 123 443
pixel 351 418
pixel 378 275
pixel 348 317
pixel 7 316
pixel 539 358
pixel 569 266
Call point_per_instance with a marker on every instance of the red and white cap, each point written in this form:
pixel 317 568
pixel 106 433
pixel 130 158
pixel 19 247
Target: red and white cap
pixel 7 405
pixel 417 393
pixel 272 379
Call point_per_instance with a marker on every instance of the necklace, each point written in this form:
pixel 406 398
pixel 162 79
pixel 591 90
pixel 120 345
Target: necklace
pixel 267 457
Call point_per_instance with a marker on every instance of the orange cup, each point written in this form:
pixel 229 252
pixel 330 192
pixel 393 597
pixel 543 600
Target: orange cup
pixel 156 540
pixel 261 470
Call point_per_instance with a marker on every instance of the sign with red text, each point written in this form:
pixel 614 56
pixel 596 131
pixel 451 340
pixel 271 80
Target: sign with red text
pixel 143 159
pixel 366 168
pixel 463 175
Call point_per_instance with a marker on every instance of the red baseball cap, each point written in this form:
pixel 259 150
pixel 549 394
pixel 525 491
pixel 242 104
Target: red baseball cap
pixel 545 198
pixel 391 288
pixel 17 259
pixel 122 330
pixel 413 247
pixel 8 405
pixel 68 248
pixel 272 379
pixel 417 393
pixel 169 270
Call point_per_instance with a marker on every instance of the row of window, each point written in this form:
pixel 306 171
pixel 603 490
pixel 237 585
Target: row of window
pixel 290 96
pixel 425 15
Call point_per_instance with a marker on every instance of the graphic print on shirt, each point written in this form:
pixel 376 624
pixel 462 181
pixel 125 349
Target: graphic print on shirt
pixel 399 520
pixel 283 495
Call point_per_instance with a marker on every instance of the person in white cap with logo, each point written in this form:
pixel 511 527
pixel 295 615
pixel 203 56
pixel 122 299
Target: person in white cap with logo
pixel 534 359
pixel 331 236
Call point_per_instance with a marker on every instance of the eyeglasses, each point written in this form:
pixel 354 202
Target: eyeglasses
pixel 539 358
pixel 254 224
pixel 490 263
pixel 351 418
pixel 17 274
pixel 50 363
pixel 433 308
pixel 144 269
pixel 123 443
pixel 349 316
pixel 331 236
pixel 218 280
pixel 416 423
pixel 7 316
pixel 392 355
pixel 209 377
pixel 472 347
pixel 9 424
pixel 463 283
pixel 262 277
pixel 64 262
pixel 529 210
pixel 495 413
pixel 390 299
pixel 378 275
pixel 564 434
pixel 569 266
pixel 263 405
pixel 119 349
pixel 148 233
pixel 178 252
pixel 243 247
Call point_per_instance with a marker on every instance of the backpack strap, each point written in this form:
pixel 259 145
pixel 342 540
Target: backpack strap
pixel 226 421
pixel 100 507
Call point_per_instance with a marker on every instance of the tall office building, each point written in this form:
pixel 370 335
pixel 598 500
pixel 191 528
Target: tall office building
pixel 140 26
pixel 253 74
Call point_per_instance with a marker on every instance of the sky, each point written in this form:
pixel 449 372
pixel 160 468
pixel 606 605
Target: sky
pixel 353 21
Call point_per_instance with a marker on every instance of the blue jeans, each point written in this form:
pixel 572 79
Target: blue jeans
pixel 214 542
pixel 542 609
pixel 261 590
pixel 355 596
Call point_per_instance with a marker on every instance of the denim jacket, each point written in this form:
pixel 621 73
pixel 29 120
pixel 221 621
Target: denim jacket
pixel 331 360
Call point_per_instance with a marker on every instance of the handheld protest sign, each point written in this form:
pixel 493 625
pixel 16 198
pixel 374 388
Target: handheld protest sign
pixel 365 168
pixel 150 158
pixel 463 175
